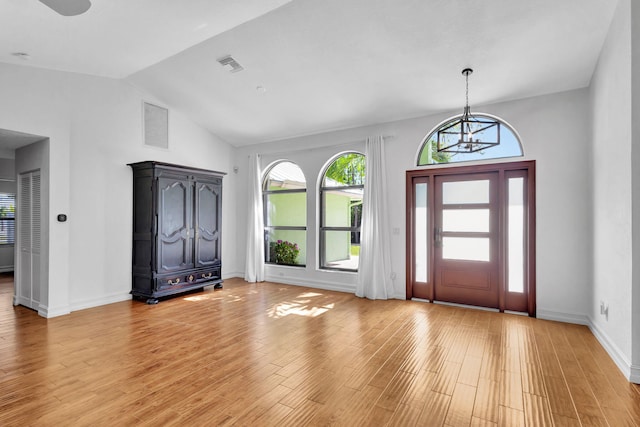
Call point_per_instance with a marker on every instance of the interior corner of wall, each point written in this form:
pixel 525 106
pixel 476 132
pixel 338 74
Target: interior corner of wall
pixel 631 372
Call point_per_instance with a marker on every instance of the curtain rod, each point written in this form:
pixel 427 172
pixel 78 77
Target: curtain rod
pixel 278 153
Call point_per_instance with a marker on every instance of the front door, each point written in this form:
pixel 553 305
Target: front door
pixel 471 235
pixel 466 239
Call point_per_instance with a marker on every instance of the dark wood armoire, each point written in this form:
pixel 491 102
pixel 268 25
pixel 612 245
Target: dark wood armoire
pixel 176 229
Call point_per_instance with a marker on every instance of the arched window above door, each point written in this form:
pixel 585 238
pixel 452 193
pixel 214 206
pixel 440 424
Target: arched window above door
pixel 509 143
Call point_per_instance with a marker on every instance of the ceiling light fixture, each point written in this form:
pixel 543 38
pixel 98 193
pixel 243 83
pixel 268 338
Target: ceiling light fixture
pixel 22 55
pixel 68 7
pixel 468 133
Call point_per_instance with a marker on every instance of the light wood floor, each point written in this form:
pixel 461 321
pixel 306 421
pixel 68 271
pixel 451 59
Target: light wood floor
pixel 268 354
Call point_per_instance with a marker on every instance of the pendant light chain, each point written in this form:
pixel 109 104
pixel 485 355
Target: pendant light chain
pixel 466 75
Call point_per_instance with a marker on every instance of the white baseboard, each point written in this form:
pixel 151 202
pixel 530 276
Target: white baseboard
pixel 233 275
pixel 628 370
pixel 316 284
pixel 6 268
pixel 48 313
pixel 578 319
pixel 95 302
pixel 631 372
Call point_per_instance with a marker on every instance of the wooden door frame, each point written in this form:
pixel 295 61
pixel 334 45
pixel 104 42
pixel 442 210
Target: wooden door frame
pixel 428 175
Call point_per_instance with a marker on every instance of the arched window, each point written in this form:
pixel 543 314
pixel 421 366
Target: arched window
pixel 341 190
pixel 284 190
pixel 509 143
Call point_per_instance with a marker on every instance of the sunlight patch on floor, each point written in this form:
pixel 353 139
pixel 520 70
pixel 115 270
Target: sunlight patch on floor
pixel 300 306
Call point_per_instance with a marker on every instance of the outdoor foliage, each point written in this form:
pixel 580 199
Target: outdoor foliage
pixel 284 252
pixel 347 169
pixel 438 157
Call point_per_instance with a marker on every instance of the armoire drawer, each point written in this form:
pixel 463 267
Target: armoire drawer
pixel 209 275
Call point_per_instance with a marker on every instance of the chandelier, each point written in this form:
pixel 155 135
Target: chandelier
pixel 468 133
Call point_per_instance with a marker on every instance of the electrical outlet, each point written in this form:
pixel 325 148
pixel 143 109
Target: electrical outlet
pixel 604 310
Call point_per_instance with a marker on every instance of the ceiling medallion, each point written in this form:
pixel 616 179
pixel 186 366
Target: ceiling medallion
pixel 468 133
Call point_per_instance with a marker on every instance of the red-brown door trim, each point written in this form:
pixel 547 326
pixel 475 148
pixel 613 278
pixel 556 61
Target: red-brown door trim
pixel 426 290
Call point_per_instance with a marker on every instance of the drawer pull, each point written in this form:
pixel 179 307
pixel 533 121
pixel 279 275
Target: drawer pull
pixel 191 278
pixel 207 276
pixel 174 283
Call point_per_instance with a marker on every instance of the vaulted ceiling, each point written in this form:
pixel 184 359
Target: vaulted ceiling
pixel 311 66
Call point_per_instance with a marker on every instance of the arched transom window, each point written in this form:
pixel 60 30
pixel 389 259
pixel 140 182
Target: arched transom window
pixel 509 143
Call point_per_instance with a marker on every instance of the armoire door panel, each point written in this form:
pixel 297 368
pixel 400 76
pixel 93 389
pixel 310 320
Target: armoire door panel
pixel 208 202
pixel 174 223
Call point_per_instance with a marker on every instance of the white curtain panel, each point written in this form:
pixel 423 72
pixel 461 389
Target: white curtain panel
pixel 254 268
pixel 374 268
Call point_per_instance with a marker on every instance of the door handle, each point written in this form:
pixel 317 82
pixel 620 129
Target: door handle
pixel 437 237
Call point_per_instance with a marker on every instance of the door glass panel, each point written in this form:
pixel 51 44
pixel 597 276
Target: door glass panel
pixel 465 192
pixel 420 238
pixel 466 248
pixel 516 235
pixel 471 220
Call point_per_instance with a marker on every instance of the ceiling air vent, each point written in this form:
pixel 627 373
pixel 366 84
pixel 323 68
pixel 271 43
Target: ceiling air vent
pixel 233 65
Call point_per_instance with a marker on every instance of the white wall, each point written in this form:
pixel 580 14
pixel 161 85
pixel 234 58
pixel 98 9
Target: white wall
pixel 611 182
pixel 95 128
pixel 553 128
pixel 36 102
pixel 635 162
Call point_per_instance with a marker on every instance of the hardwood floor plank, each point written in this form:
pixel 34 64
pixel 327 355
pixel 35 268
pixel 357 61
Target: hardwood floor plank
pixel 617 417
pixel 491 366
pixel 461 405
pixel 470 370
pixel 537 411
pixel 416 392
pixel 302 415
pixel 560 397
pixel 487 400
pixel 479 422
pixel 510 417
pixel 445 381
pixel 532 379
pixel 435 410
pixel 271 354
pixel 395 390
pixel 511 393
pixel 584 399
pixel 405 415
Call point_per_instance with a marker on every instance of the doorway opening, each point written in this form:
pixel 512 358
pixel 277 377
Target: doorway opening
pixel 471 235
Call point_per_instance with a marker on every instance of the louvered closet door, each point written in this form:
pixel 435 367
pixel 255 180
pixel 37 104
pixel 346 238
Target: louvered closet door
pixel 29 240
